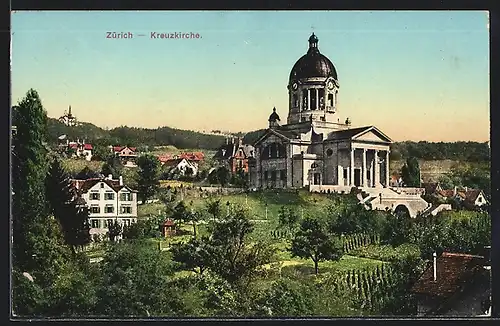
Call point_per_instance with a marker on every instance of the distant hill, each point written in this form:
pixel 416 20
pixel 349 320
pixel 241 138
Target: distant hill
pixel 132 136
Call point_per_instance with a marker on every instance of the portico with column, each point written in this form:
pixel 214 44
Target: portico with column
pixel 369 165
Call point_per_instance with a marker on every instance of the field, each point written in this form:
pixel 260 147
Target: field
pixel 430 170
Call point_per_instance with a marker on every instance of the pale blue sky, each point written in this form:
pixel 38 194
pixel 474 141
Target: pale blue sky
pixel 418 75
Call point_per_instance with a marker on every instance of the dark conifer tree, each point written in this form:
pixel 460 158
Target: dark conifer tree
pixel 66 208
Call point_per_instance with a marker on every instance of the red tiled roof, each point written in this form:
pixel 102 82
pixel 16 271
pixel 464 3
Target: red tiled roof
pixel 172 162
pixel 472 194
pixel 73 145
pixel 196 156
pixel 453 271
pixel 168 222
pixel 447 193
pixel 163 158
pixel 87 146
pixel 117 148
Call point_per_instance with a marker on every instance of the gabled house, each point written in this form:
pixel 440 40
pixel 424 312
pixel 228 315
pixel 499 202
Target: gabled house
pixel 108 201
pixel 454 284
pixel 469 197
pixel 181 166
pixel 235 155
pixel 472 197
pixel 127 154
pixel 80 149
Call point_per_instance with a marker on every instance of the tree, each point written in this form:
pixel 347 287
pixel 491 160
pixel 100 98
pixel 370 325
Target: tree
pixel 286 298
pixel 240 178
pixel 214 208
pixel 135 281
pixel 233 256
pixel 114 230
pixel 314 242
pixel 86 173
pixel 193 255
pixel 74 219
pixel 38 245
pixel 180 213
pixel 222 175
pixel 148 176
pixel 113 166
pixel 411 172
pixel 288 218
pixel 101 153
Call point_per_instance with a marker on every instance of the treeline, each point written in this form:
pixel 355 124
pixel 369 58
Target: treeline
pixel 459 151
pixel 132 136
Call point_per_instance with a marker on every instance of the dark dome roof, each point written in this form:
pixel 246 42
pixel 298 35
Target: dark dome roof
pixel 274 116
pixel 313 63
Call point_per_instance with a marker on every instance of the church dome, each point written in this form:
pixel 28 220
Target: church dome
pixel 313 63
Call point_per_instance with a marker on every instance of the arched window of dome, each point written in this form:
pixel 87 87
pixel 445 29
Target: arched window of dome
pixel 330 100
pixel 295 101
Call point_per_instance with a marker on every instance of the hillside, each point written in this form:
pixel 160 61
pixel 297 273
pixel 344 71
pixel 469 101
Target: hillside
pixel 131 136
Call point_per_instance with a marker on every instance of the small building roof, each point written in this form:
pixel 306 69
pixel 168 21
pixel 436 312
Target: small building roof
pixel 454 270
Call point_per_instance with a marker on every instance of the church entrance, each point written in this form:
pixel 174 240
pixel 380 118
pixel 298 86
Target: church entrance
pixel 357 177
pixel 317 179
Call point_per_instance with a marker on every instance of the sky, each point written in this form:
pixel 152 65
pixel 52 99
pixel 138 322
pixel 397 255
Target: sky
pixel 415 75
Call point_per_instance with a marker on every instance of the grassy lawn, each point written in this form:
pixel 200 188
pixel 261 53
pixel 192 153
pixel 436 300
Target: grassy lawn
pixel 302 202
pixel 74 166
pixel 152 209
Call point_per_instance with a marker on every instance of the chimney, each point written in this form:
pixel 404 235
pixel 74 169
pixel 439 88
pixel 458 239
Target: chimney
pixel 455 191
pixel 465 189
pixel 121 181
pixel 240 141
pixel 110 177
pixel 434 256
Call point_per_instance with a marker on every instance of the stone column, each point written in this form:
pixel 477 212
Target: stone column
pixel 317 99
pixel 372 173
pixel 387 168
pixel 364 168
pixel 376 181
pixel 308 99
pixel 351 169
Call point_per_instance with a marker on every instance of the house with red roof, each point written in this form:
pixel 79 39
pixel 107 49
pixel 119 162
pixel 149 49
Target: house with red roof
pixel 108 201
pixel 181 166
pixel 80 149
pixel 127 154
pixel 470 198
pixel 454 284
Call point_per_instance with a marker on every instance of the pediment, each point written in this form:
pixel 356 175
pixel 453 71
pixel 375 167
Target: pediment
pixel 271 136
pixel 372 135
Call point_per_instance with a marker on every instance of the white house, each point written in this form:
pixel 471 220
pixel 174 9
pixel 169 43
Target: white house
pixel 108 201
pixel 181 165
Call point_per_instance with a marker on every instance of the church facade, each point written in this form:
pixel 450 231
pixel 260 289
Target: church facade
pixel 313 147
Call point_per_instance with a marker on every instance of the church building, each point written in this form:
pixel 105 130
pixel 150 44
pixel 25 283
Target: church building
pixel 313 147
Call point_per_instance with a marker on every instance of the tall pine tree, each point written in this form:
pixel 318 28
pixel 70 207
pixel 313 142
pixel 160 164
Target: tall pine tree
pixel 148 176
pixel 38 247
pixel 63 205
